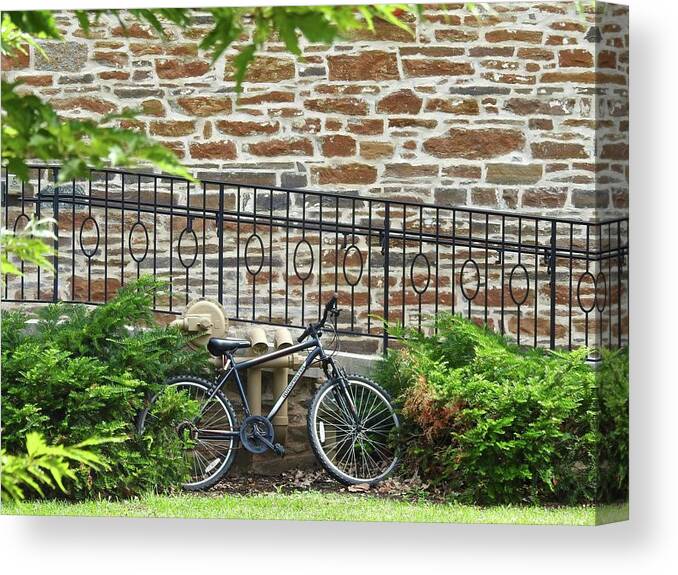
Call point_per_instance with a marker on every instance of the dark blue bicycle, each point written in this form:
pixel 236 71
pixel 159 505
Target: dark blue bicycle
pixel 351 420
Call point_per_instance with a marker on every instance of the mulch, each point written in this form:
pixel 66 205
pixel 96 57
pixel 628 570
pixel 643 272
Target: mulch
pixel 299 481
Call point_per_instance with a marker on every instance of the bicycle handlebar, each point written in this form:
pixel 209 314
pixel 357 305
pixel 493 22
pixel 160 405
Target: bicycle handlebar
pixel 330 307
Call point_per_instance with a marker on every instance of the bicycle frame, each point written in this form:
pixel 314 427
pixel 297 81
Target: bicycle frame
pixel 234 368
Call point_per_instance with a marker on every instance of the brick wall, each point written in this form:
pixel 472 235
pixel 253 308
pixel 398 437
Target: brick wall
pixel 526 108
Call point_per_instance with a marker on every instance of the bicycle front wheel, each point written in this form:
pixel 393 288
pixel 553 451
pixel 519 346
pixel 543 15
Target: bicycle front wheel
pixel 354 450
pixel 209 438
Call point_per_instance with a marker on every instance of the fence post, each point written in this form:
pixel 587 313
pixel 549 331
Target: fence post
pixel 385 248
pixel 55 244
pixel 552 269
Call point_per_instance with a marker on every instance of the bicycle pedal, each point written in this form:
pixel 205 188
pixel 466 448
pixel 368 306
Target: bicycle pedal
pixel 279 449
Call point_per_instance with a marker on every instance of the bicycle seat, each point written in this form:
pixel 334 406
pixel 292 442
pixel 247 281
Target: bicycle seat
pixel 218 346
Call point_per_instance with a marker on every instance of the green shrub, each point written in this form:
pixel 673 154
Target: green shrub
pixel 84 374
pixel 494 424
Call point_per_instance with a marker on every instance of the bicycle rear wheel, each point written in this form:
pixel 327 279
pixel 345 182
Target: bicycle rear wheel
pixel 209 451
pixel 354 451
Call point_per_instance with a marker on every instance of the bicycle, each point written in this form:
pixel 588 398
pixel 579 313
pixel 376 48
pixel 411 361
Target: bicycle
pixel 351 420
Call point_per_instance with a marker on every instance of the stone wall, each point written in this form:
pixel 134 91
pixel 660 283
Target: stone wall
pixel 525 108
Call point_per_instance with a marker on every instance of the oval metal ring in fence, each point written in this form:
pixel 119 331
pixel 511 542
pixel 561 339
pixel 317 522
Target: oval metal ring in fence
pixel 584 276
pixel 180 244
pixel 307 275
pixel 132 253
pixel 91 252
pixel 16 221
pixel 351 248
pixel 527 282
pixel 254 270
pixel 416 288
pixel 601 280
pixel 461 279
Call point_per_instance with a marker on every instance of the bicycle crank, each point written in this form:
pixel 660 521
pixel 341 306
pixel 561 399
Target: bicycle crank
pixel 256 435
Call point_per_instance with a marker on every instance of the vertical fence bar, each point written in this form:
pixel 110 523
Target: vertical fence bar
pixel 552 286
pixel 220 255
pixel 55 244
pixel 387 225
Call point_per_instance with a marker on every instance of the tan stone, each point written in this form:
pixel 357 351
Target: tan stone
pixel 371 65
pixel 348 106
pixel 206 105
pixel 376 150
pixel 172 128
pixel 345 174
pixel 558 150
pixel 513 174
pixel 475 143
pixel 366 127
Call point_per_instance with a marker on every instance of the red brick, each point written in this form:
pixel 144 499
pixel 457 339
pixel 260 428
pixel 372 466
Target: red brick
pixel 282 147
pixel 416 68
pixel 607 59
pixel 114 75
pixel 370 65
pixel 452 105
pixel 266 97
pixel 337 145
pixel 583 78
pixel 401 102
pixel 134 30
pixel 528 36
pixel 575 58
pixel 366 127
pixel 264 69
pixel 569 26
pixel 108 58
pixel 236 128
pixel 218 150
pixel 174 68
pixel 89 103
pixel 475 143
pixel 618 151
pixel 18 60
pixel 42 80
pixel 491 51
pixel 535 54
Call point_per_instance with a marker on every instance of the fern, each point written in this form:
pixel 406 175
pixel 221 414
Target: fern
pixel 46 465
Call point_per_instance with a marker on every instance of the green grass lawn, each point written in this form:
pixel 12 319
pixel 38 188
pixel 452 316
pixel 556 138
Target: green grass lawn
pixel 315 506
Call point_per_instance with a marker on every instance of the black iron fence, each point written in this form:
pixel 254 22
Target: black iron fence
pixel 273 255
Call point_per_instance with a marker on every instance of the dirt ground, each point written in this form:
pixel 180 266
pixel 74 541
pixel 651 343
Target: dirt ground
pixel 299 480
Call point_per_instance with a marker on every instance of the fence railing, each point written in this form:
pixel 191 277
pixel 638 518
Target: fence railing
pixel 273 255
